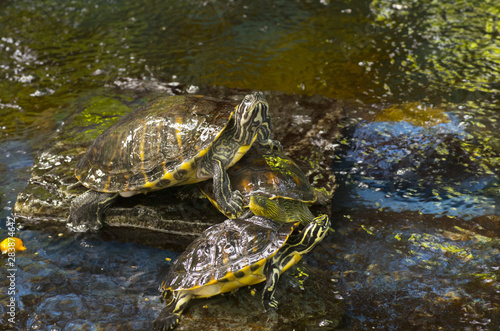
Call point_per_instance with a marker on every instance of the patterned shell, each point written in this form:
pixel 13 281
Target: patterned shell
pixel 138 151
pixel 268 173
pixel 224 249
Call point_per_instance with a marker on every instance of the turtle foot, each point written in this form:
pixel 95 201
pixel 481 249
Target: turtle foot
pixel 235 204
pixel 166 320
pixel 273 144
pixel 270 304
pixel 87 210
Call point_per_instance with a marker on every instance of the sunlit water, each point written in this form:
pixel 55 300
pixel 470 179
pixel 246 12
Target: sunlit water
pixel 417 240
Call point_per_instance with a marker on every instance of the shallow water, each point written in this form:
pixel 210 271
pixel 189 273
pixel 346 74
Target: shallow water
pixel 417 210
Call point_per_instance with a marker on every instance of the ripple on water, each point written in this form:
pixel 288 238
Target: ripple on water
pixel 85 284
pixel 441 169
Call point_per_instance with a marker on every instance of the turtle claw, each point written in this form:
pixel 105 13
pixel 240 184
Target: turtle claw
pixel 235 205
pixel 166 321
pixel 270 304
pixel 273 144
pixel 276 145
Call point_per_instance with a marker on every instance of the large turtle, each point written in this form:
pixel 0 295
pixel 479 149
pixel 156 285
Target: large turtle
pixel 171 141
pixel 270 174
pixel 232 254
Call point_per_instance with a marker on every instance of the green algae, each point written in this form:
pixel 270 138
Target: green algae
pixel 415 113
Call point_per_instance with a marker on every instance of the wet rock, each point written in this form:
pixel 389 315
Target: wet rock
pixel 307 127
pixel 308 300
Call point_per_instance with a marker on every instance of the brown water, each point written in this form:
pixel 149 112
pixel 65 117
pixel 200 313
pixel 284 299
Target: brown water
pixel 417 216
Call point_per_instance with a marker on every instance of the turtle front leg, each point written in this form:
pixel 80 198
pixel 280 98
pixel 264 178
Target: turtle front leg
pixel 264 137
pixel 87 210
pixel 231 202
pixel 170 316
pixel 272 272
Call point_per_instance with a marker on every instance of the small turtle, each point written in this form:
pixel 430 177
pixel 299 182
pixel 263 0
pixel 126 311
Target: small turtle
pixel 233 254
pixel 271 174
pixel 174 140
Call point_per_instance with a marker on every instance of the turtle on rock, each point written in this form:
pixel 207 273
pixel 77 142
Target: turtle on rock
pixel 233 254
pixel 265 173
pixel 173 140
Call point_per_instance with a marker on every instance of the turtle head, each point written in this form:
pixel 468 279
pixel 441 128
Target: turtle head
pixel 262 206
pixel 249 116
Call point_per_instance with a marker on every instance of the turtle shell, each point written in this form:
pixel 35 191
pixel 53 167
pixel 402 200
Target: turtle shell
pixel 225 252
pixel 166 137
pixel 268 173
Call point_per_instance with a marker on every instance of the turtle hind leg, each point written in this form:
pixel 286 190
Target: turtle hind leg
pixel 170 316
pixel 87 210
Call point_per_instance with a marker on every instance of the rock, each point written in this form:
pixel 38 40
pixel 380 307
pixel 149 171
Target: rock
pixel 307 127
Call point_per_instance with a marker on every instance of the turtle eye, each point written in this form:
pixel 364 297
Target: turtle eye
pixel 248 98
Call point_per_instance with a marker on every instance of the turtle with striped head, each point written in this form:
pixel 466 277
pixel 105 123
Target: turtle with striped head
pixel 237 253
pixel 265 173
pixel 175 140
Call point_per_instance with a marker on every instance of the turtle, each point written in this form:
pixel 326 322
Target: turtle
pixel 173 140
pixel 233 254
pixel 270 174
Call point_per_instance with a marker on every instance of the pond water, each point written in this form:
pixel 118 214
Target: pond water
pixel 417 209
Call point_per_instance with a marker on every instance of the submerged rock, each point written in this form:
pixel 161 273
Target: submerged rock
pixel 439 169
pixel 306 126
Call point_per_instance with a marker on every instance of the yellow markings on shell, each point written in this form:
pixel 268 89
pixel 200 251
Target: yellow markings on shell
pixel 202 152
pixel 147 183
pixel 186 166
pixel 105 189
pixel 168 176
pixel 11 245
pixel 178 131
pixel 165 170
pixel 143 138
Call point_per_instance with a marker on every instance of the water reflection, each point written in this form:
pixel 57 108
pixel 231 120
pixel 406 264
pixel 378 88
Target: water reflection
pixel 433 47
pixel 65 283
pixel 376 51
pixel 415 271
pixel 440 169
